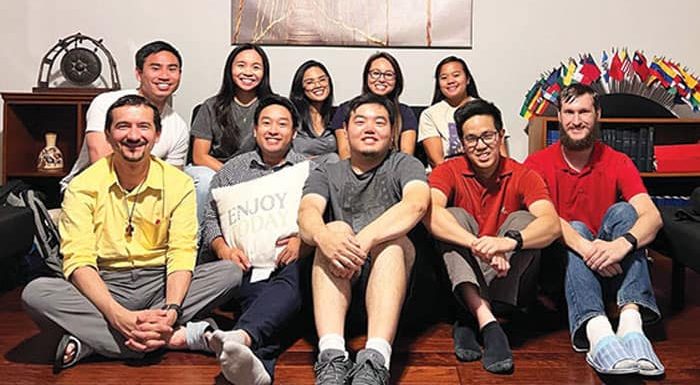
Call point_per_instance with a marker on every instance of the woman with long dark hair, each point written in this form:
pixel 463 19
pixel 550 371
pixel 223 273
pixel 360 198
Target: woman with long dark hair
pixel 454 86
pixel 312 95
pixel 224 123
pixel 382 76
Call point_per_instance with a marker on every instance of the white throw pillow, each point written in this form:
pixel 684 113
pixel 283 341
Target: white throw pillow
pixel 253 215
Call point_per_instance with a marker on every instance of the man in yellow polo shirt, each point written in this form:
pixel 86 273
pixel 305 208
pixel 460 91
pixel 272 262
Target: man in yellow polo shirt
pixel 128 239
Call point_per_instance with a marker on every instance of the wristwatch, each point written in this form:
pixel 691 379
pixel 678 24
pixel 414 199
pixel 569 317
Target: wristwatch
pixel 515 235
pixel 631 239
pixel 176 307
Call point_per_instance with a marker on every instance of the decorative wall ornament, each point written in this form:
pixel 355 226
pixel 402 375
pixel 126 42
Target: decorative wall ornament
pixel 80 60
pixel 378 23
pixel 661 80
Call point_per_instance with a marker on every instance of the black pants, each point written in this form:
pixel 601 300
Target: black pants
pixel 267 309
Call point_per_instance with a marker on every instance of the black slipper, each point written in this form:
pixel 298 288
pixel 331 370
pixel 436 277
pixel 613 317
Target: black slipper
pixel 66 340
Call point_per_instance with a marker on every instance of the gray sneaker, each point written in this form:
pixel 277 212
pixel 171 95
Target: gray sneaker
pixel 332 367
pixel 369 369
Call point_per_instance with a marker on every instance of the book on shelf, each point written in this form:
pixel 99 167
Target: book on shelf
pixel 628 145
pixel 650 150
pixel 643 142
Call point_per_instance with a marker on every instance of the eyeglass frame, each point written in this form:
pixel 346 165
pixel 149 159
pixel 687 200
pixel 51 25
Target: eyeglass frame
pixel 481 137
pixel 376 74
pixel 323 80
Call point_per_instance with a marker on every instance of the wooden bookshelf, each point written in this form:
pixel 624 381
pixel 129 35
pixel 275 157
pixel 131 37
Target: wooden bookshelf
pixel 666 131
pixel 27 116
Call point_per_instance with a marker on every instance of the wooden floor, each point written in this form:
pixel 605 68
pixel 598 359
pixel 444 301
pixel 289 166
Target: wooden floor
pixel 542 354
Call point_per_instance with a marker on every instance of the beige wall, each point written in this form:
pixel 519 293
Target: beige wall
pixel 514 42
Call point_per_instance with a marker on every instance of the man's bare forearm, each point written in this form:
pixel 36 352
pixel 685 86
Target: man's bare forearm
pixel 400 218
pixel 310 225
pixel 444 226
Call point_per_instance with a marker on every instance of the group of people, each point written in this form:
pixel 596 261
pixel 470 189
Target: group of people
pixel 132 225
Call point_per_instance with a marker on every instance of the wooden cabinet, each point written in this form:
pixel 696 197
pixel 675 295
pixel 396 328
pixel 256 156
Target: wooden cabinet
pixel 27 117
pixel 666 131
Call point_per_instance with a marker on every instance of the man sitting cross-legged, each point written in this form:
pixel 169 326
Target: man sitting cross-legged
pixel 128 238
pixel 373 199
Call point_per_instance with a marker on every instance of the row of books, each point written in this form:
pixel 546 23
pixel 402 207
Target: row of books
pixel 636 142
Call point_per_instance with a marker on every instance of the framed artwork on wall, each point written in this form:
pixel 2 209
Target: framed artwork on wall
pixel 359 23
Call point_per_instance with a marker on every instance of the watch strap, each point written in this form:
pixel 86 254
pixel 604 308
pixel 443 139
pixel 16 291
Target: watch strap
pixel 631 239
pixel 176 307
pixel 517 237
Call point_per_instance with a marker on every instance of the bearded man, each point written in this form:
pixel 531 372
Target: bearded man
pixel 607 218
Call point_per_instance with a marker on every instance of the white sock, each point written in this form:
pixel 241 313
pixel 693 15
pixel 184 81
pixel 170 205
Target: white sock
pixel 382 346
pixel 332 341
pixel 630 321
pixel 240 366
pixel 219 337
pixel 597 328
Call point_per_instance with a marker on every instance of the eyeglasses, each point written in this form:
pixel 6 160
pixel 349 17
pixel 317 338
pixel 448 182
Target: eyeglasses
pixel 488 137
pixel 376 74
pixel 310 83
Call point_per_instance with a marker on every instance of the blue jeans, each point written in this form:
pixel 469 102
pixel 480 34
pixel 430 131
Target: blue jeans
pixel 202 176
pixel 586 290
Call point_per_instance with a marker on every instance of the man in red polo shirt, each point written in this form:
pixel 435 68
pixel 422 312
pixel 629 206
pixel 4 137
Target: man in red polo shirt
pixel 606 217
pixel 499 215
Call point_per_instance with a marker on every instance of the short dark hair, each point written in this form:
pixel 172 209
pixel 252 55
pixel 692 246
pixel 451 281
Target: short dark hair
pixel 370 99
pixel 274 99
pixel 132 100
pixel 573 91
pixel 155 47
pixel 474 108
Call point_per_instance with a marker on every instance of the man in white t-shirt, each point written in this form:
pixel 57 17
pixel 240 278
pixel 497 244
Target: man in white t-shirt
pixel 158 70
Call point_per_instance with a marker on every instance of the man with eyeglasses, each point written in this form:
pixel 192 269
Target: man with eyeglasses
pixel 490 216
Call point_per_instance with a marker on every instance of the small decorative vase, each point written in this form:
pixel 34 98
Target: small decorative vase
pixel 50 157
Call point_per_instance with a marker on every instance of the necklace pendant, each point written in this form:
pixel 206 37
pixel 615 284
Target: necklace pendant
pixel 129 230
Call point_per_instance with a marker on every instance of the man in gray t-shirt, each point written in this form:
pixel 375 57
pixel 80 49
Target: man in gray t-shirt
pixel 373 199
pixel 359 199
